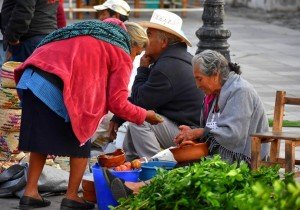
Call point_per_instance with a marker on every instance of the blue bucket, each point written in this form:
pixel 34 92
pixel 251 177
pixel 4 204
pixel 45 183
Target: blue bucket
pixel 149 169
pixel 103 193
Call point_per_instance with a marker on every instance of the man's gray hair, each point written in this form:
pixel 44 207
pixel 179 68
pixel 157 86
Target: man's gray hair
pixel 210 62
pixel 172 39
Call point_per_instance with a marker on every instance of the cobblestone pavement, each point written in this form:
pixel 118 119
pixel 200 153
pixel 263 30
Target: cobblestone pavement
pixel 281 18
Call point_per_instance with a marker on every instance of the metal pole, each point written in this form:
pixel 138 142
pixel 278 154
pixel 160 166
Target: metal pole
pixel 212 34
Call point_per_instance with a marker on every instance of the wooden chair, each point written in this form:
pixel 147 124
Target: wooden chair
pixel 292 139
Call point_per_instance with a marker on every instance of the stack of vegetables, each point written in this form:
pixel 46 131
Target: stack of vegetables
pixel 10 111
pixel 215 184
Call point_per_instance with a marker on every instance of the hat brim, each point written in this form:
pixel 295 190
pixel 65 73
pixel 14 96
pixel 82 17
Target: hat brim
pixel 147 24
pixel 100 7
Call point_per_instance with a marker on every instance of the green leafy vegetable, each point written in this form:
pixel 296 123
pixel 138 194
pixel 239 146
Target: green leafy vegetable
pixel 215 184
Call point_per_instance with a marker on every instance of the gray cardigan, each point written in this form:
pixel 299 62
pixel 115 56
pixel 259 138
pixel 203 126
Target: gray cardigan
pixel 241 114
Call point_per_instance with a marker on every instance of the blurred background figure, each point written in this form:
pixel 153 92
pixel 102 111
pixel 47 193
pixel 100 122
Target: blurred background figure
pixel 25 23
pixel 113 9
pixel 61 17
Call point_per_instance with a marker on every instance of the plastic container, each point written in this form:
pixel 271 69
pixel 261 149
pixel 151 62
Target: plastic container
pixel 103 193
pixel 149 169
pixel 130 176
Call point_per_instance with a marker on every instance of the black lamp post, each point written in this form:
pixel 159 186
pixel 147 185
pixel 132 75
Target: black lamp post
pixel 212 34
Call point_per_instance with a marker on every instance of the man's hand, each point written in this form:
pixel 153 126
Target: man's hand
pixel 112 130
pixel 145 61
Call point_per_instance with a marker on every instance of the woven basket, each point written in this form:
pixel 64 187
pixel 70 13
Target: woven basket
pixel 9 141
pixel 9 98
pixel 10 119
pixel 7 74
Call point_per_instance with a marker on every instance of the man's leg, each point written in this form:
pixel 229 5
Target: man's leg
pixel 147 140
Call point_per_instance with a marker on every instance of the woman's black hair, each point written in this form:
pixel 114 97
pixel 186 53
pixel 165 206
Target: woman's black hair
pixel 123 18
pixel 234 67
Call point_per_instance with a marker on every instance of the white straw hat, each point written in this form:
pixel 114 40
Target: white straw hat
pixel 119 6
pixel 168 22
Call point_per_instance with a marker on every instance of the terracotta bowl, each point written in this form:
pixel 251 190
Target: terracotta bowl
pixel 110 160
pixel 89 192
pixel 189 151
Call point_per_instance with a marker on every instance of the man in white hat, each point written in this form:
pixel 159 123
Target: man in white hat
pixel 113 9
pixel 164 83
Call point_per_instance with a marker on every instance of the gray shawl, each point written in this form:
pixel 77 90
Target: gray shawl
pixel 241 114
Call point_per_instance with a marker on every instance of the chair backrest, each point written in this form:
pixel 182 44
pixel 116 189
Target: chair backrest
pixel 280 102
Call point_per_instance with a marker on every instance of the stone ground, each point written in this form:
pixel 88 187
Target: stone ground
pixel 266 45
pixel 285 19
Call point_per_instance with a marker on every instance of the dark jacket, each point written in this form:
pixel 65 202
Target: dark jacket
pixel 22 19
pixel 169 87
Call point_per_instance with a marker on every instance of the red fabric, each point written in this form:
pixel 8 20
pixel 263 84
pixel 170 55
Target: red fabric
pixel 208 99
pixel 95 76
pixel 60 16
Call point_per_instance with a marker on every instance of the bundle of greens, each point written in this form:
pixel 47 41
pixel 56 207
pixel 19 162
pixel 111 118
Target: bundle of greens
pixel 215 184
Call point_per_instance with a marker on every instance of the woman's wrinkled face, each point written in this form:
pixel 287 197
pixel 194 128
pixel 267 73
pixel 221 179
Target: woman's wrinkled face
pixel 209 84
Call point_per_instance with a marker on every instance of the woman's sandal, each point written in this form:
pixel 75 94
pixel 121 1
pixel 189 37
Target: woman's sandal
pixel 27 202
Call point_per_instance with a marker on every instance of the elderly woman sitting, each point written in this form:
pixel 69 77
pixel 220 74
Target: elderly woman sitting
pixel 232 109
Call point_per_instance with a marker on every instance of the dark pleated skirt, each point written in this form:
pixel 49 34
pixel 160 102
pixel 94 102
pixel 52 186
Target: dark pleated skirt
pixel 45 132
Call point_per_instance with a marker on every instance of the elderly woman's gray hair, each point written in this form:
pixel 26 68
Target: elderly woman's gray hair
pixel 210 62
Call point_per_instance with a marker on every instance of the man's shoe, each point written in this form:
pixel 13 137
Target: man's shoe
pixel 27 202
pixel 119 189
pixel 67 204
pixel 116 185
pixel 108 176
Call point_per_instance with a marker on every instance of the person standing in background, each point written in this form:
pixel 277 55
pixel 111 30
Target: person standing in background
pixel 60 16
pixel 113 9
pixel 25 23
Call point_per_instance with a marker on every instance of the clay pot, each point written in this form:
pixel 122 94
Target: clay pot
pixel 110 160
pixel 89 192
pixel 189 151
